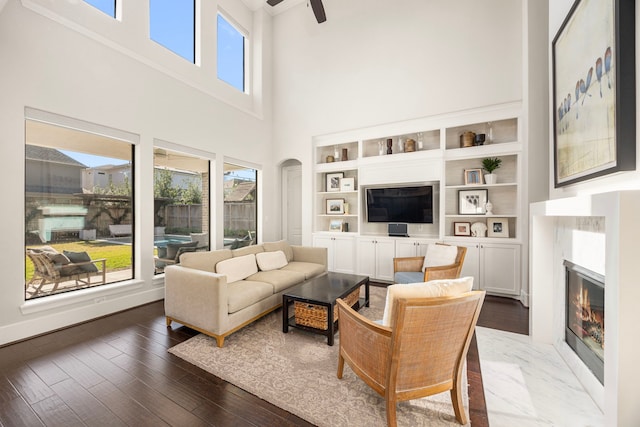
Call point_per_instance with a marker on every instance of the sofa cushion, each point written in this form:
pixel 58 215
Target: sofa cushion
pixel 438 255
pixel 278 279
pixel 238 268
pixel 433 288
pixel 408 277
pixel 204 260
pixel 245 293
pixel 81 257
pixel 280 245
pixel 271 260
pixel 253 249
pixel 309 269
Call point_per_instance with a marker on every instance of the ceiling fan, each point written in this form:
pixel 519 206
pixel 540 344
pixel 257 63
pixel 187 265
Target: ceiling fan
pixel 316 5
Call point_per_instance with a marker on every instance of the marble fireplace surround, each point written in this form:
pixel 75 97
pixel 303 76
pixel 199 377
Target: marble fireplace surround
pixel 600 232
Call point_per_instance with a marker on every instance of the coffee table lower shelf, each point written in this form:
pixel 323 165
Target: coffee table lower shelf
pixel 329 332
pixel 323 291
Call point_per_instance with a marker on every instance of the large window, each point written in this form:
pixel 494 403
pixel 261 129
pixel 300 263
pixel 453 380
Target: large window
pixel 107 6
pixel 78 210
pixel 181 193
pixel 231 54
pixel 172 24
pixel 240 206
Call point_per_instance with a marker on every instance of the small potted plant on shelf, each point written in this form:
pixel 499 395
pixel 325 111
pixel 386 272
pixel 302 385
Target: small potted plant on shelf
pixel 490 164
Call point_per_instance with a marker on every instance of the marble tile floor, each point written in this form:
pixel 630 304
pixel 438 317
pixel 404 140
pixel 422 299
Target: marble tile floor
pixel 528 384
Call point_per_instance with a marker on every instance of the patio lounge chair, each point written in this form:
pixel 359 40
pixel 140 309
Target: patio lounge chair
pixel 47 270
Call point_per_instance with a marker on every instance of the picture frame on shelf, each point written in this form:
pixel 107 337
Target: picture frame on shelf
pixel 335 225
pixel 472 202
pixel 347 184
pixel 462 229
pixel 594 91
pixel 473 177
pixel 335 206
pixel 333 181
pixel 497 227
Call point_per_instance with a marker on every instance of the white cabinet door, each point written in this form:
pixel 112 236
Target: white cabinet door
pixel 340 252
pixel 405 248
pixel 385 251
pixel 367 257
pixel 495 267
pixel 500 268
pixel 375 257
pixel 344 249
pixel 412 247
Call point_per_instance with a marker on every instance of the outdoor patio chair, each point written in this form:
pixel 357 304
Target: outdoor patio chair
pixel 420 354
pixel 47 270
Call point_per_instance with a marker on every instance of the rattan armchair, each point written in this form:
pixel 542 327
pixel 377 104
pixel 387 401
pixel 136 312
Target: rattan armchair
pixel 422 353
pixel 414 264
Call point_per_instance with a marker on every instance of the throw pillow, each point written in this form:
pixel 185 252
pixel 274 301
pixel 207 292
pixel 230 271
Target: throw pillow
pixel 271 260
pixel 431 289
pixel 280 245
pixel 172 248
pixel 57 258
pixel 237 268
pixel 438 255
pixel 75 257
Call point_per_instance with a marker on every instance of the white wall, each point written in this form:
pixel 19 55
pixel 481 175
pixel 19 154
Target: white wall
pixel 558 10
pixel 379 62
pixel 48 66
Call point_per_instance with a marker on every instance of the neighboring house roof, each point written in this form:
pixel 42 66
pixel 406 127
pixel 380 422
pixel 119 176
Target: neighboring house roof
pixel 46 154
pixel 240 192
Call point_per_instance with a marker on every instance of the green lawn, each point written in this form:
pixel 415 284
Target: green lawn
pixel 118 256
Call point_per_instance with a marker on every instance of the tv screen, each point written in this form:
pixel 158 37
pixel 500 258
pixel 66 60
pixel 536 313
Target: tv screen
pixel 400 204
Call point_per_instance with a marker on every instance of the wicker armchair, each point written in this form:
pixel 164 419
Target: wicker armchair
pixel 414 264
pixel 46 271
pixel 422 353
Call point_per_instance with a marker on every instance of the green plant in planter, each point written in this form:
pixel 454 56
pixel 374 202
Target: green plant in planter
pixel 491 163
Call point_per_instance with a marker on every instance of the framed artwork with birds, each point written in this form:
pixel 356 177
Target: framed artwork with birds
pixel 594 91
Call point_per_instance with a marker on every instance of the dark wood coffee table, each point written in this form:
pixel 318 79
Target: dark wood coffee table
pixel 324 291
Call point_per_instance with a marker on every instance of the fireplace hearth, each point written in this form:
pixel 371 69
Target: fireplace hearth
pixel 584 327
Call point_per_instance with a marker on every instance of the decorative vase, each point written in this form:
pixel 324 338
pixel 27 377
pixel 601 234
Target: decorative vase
pixel 389 146
pixel 345 157
pixel 330 159
pixel 488 207
pixel 491 178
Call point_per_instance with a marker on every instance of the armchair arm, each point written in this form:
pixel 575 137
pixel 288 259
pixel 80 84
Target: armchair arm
pixel 408 264
pixel 442 272
pixel 364 345
pixel 196 297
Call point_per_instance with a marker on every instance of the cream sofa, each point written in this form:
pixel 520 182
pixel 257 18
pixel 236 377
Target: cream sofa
pixel 218 292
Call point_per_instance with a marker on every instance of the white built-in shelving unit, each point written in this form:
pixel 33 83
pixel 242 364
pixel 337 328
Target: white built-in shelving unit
pixel 440 161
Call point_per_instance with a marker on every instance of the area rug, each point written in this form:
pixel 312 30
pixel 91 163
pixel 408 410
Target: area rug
pixel 297 372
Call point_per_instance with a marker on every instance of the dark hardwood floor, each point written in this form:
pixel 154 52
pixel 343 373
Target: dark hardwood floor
pixel 116 371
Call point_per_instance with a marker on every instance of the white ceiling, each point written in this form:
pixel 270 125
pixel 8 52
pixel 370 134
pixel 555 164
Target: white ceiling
pixel 272 10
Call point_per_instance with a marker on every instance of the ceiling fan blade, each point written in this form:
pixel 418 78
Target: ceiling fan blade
pixel 273 2
pixel 318 10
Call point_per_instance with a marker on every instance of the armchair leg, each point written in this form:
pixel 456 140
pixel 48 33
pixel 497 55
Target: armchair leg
pixel 169 320
pixel 391 411
pixel 458 408
pixel 340 366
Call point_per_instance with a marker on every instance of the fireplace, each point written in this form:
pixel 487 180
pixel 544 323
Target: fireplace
pixel 584 326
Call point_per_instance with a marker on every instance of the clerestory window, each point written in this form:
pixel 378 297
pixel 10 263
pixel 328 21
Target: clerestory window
pixel 106 6
pixel 172 24
pixel 231 55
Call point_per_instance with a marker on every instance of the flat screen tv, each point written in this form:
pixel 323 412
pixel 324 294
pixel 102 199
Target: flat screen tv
pixel 412 205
